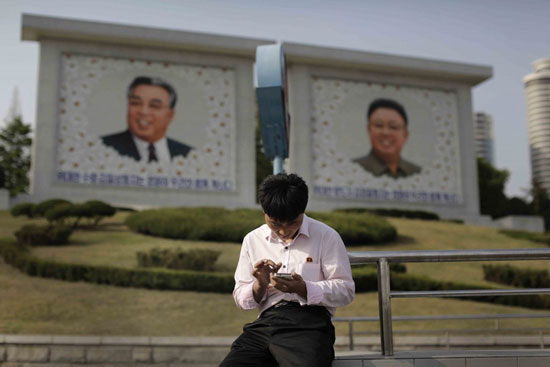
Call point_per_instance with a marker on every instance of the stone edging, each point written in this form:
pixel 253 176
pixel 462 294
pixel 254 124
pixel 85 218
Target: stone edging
pixel 56 350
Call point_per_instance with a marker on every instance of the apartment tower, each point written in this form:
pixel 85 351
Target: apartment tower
pixel 483 131
pixel 537 90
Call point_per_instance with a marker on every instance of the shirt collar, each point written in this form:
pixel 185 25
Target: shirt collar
pixel 145 144
pixel 268 234
pixel 161 148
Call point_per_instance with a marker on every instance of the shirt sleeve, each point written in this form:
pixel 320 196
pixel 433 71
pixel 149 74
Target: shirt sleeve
pixel 338 288
pixel 244 281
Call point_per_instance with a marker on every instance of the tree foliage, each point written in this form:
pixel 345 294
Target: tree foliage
pixel 491 182
pixel 493 201
pixel 15 160
pixel 541 203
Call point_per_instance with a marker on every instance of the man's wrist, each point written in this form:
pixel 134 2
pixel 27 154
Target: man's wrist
pixel 258 290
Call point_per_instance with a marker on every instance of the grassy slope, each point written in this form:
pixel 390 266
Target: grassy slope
pixel 39 306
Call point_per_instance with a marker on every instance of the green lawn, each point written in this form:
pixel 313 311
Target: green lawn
pixel 30 305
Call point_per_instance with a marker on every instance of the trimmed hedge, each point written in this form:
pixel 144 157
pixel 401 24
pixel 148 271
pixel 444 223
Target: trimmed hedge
pixel 218 224
pixel 398 213
pixel 529 236
pixel 23 209
pixel 366 281
pixel 365 278
pixel 138 278
pixel 193 259
pixel 61 212
pixel 207 224
pixel 35 235
pixel 517 277
pixel 358 228
pixel 98 210
pixel 41 208
pixel 93 210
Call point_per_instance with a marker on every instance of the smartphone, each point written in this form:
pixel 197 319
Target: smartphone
pixel 287 276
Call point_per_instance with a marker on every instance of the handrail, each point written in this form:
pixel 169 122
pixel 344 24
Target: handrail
pixel 495 317
pixel 369 257
pixel 384 258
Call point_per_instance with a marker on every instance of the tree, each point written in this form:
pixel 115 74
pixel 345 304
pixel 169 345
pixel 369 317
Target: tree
pixel 491 182
pixel 15 160
pixel 518 206
pixel 541 203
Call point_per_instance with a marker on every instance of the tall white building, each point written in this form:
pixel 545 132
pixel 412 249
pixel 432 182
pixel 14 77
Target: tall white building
pixel 537 89
pixel 484 136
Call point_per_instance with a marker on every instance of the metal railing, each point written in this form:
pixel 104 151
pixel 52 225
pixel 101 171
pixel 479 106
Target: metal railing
pixel 384 258
pixel 447 331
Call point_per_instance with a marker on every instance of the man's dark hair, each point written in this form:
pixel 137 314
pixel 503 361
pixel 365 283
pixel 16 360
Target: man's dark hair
pixel 387 103
pixel 155 81
pixel 283 197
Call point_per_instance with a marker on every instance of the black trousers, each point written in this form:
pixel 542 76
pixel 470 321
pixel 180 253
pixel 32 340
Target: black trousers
pixel 288 336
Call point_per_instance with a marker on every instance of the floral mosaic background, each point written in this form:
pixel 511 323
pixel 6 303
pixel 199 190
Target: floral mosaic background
pixel 82 158
pixel 438 147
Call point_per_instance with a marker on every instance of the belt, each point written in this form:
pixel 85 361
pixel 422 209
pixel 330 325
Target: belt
pixel 284 303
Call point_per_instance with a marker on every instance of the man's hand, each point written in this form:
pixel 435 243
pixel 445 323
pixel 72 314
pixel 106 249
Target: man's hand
pixel 295 285
pixel 262 272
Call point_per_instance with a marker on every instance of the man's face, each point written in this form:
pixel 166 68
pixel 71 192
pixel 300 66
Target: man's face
pixel 286 231
pixel 388 133
pixel 149 112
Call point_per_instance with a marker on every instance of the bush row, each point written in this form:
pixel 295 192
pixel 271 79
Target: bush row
pixel 37 235
pixel 365 278
pixel 529 236
pixel 517 277
pixel 398 213
pixel 366 281
pixel 194 259
pixel 139 278
pixel 218 224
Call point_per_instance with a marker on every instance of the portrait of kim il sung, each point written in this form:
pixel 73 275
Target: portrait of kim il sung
pixel 388 130
pixel 151 104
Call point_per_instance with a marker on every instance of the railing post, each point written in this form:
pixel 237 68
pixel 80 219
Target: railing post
pixel 384 307
pixel 351 344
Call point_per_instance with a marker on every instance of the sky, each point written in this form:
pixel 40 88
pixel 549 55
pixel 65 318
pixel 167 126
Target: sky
pixel 507 35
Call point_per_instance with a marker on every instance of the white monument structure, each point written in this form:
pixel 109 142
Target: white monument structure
pixel 85 95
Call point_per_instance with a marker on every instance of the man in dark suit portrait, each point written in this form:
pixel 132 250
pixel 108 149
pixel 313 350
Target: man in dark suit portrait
pixel 387 127
pixel 151 103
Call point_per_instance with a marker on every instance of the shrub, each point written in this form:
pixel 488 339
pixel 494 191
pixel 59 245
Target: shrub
pixel 517 277
pixel 529 236
pixel 94 210
pixel 97 210
pixel 60 213
pixel 154 258
pixel 358 228
pixel 399 213
pixel 40 209
pixel 366 281
pixel 218 224
pixel 23 209
pixel 33 235
pixel 210 224
pixel 194 259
